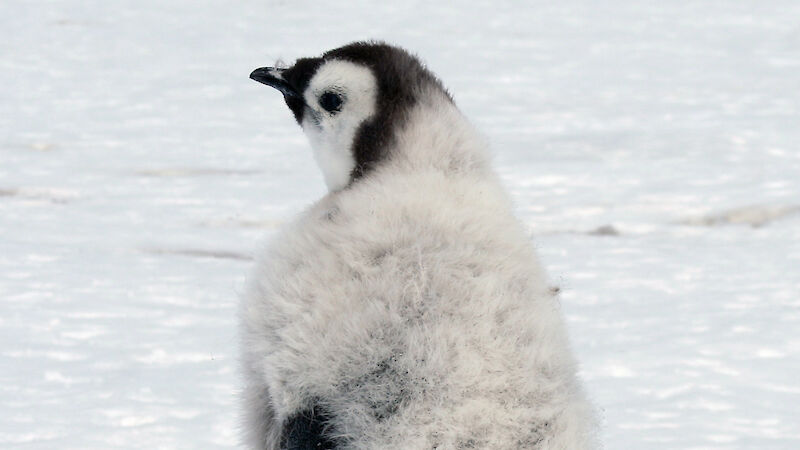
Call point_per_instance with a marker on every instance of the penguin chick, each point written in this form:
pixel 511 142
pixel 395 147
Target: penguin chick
pixel 405 309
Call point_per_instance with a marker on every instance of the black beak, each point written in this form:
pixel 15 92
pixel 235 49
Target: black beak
pixel 272 76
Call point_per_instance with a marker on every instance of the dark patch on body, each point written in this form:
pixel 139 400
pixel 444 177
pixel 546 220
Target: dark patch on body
pixel 308 430
pixel 378 256
pixel 536 436
pixel 387 374
pixel 388 385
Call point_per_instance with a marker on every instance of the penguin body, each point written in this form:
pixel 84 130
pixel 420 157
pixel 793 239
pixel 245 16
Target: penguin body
pixel 405 309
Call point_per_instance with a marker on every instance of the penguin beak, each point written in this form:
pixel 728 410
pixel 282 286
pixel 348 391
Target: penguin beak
pixel 273 76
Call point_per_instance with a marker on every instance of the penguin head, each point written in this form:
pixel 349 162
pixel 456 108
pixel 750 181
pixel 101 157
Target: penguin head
pixel 351 102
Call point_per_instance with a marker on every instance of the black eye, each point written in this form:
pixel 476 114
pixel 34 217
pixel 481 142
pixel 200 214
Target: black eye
pixel 330 101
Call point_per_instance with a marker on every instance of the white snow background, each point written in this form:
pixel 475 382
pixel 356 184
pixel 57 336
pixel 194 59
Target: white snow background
pixel 652 147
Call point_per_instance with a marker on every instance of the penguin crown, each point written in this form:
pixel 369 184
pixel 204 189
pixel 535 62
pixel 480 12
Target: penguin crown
pixel 351 102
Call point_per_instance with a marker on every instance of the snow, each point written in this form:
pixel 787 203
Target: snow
pixel 652 148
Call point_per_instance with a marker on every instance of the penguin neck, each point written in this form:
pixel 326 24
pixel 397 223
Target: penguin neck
pixel 437 136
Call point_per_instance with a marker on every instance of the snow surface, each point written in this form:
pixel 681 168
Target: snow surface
pixel 653 148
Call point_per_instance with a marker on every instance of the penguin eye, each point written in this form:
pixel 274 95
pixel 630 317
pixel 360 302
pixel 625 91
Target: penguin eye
pixel 332 102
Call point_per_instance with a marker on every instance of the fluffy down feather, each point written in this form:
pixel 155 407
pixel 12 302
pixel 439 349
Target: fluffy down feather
pixel 411 309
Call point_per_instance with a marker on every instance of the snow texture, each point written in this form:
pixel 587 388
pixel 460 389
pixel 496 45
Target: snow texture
pixel 652 148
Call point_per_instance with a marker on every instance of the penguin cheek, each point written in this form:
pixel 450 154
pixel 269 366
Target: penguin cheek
pixel 312 126
pixel 313 118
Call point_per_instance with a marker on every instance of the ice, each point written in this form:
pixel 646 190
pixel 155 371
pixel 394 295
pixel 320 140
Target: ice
pixel 652 148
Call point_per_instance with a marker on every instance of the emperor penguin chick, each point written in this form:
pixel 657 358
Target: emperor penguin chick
pixel 405 309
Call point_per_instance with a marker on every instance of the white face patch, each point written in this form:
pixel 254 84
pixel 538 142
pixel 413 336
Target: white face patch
pixel 332 133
